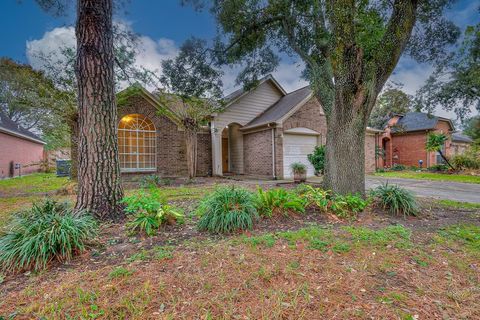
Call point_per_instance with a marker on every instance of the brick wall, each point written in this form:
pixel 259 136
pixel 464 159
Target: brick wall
pixel 171 146
pixel 369 153
pixel 310 116
pixel 258 153
pixel 408 148
pixel 19 150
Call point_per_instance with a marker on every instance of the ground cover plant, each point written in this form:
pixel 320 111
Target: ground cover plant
pixel 227 209
pixel 395 199
pixel 149 210
pixel 48 231
pixel 279 201
pixel 32 184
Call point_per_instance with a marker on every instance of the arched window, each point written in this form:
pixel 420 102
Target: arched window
pixel 137 143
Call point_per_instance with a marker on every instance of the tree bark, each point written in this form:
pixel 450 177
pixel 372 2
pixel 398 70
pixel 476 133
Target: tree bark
pixel 191 142
pixel 99 188
pixel 73 121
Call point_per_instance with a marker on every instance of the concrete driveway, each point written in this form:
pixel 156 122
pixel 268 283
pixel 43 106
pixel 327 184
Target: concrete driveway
pixel 465 192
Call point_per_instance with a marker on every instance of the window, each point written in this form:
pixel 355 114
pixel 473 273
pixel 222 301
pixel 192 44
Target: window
pixel 137 143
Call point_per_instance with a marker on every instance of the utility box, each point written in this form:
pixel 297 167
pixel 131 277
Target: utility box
pixel 63 167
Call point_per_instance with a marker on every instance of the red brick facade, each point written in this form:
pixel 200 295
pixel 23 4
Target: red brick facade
pixel 171 146
pixel 258 153
pixel 25 152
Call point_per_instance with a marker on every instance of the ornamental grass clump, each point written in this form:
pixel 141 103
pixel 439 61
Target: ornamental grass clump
pixel 279 201
pixel 395 200
pixel 227 209
pixel 47 232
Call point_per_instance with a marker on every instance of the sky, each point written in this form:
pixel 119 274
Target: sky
pixel 163 25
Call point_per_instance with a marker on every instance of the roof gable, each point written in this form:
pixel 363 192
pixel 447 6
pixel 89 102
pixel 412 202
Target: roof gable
pixel 418 121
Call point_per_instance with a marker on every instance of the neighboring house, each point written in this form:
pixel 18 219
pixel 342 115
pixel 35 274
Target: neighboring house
pixel 21 151
pixel 261 132
pixel 460 143
pixel 403 141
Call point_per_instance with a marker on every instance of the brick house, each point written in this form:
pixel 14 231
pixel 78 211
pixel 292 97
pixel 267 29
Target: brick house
pixel 21 151
pixel 403 141
pixel 259 133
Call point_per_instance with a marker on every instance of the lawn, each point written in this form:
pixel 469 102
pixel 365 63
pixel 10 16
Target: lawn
pixel 301 267
pixel 32 184
pixel 430 176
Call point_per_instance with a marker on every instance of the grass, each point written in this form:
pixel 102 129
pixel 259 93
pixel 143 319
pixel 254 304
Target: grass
pixel 32 184
pixel 457 204
pixel 430 176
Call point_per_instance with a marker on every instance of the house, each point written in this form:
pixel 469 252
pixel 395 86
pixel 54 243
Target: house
pixel 21 151
pixel 403 141
pixel 460 143
pixel 260 132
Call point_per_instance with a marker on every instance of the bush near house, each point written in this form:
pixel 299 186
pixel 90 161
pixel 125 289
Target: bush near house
pixel 395 199
pixel 150 210
pixel 466 161
pixel 279 201
pixel 317 159
pixel 226 210
pixel 48 231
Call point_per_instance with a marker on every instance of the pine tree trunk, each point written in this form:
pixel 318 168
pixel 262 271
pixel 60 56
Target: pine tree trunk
pixel 345 150
pixel 191 142
pixel 73 121
pixel 99 188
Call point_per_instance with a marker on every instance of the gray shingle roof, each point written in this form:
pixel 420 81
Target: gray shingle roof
pixel 281 107
pixel 9 126
pixel 415 121
pixel 459 137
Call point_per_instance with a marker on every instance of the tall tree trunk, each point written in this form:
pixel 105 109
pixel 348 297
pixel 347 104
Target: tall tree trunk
pixel 99 188
pixel 73 122
pixel 191 142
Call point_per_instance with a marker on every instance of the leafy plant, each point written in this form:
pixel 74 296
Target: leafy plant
pixel 395 199
pixel 466 161
pixel 317 159
pixel 150 211
pixel 298 168
pixel 153 180
pixel 227 209
pixel 435 143
pixel 438 168
pixel 48 231
pixel 280 201
pixel 398 167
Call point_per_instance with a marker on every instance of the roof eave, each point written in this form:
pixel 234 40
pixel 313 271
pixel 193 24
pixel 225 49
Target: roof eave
pixel 19 135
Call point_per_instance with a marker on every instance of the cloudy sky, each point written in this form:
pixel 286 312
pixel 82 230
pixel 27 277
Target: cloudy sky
pixel 163 26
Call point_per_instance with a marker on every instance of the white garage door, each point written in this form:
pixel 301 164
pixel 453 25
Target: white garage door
pixel 295 149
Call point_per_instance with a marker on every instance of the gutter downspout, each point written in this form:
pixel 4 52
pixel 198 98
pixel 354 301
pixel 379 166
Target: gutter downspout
pixel 273 152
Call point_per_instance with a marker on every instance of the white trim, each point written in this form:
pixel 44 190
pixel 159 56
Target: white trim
pixel 302 131
pixel 19 135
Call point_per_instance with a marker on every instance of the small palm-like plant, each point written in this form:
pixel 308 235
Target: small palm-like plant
pixel 279 201
pixel 48 231
pixel 395 199
pixel 435 143
pixel 226 210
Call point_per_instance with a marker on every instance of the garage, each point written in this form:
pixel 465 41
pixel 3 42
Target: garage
pixel 297 144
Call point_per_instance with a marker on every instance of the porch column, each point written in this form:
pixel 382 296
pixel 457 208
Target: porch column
pixel 216 151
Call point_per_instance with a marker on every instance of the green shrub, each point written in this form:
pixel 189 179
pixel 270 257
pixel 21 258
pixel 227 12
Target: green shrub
pixel 398 167
pixel 280 201
pixel 465 161
pixel 48 231
pixel 227 209
pixel 395 199
pixel 354 203
pixel 150 210
pixel 438 168
pixel 153 180
pixel 317 159
pixel 298 167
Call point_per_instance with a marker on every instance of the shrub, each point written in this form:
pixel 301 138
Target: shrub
pixel 48 231
pixel 154 181
pixel 395 199
pixel 398 167
pixel 298 167
pixel 280 201
pixel 227 209
pixel 465 161
pixel 438 168
pixel 317 159
pixel 150 210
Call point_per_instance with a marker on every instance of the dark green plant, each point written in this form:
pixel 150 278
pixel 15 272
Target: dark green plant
pixel 48 231
pixel 150 210
pixel 226 210
pixel 435 143
pixel 398 167
pixel 280 201
pixel 395 199
pixel 317 159
pixel 438 168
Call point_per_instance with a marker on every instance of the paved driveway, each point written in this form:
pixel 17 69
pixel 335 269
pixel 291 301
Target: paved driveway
pixel 465 192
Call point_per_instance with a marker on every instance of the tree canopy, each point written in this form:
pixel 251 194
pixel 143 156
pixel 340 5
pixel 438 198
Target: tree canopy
pixel 392 101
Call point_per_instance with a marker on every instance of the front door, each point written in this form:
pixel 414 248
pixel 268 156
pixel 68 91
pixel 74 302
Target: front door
pixel 225 155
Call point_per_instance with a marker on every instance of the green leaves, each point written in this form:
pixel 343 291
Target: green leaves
pixel 435 141
pixel 395 199
pixel 279 201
